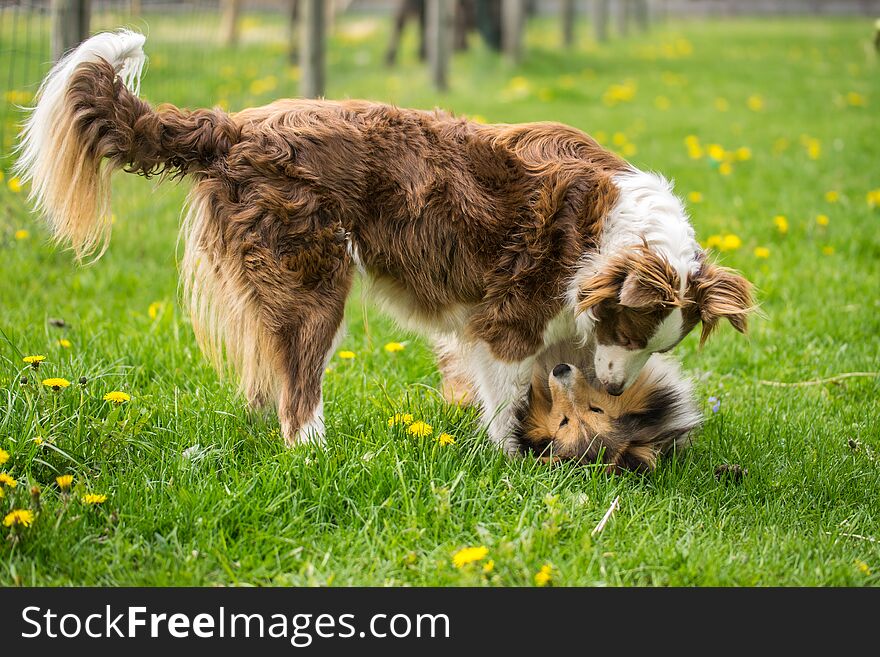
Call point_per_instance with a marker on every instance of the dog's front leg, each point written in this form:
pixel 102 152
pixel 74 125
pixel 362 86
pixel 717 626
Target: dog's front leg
pixel 500 385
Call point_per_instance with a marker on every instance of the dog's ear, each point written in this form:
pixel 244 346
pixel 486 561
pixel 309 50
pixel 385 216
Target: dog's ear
pixel 638 292
pixel 722 293
pixel 650 282
pixel 601 286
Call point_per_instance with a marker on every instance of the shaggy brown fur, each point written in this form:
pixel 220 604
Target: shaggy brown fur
pixel 442 211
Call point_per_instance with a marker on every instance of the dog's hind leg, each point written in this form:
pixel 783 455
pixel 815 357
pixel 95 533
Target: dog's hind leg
pixel 309 346
pixel 457 384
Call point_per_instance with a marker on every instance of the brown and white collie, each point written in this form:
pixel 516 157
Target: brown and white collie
pixel 493 240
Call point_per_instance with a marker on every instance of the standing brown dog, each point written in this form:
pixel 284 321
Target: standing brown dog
pixel 493 240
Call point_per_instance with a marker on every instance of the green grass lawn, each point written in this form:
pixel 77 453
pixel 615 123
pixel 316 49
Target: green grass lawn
pixel 199 493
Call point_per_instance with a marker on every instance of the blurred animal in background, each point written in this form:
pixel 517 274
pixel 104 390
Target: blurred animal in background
pixel 484 16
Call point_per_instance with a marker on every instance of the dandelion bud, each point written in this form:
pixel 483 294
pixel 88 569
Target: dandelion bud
pixel 23 380
pixel 35 497
pixel 83 380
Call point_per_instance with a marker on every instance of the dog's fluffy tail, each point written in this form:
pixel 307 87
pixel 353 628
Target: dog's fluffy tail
pixel 88 111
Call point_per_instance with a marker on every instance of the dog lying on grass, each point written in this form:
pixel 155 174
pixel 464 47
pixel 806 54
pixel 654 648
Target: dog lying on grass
pixel 495 240
pixel 565 415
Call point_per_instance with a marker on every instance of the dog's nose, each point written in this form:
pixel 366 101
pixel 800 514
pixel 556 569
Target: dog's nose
pixel 561 370
pixel 615 389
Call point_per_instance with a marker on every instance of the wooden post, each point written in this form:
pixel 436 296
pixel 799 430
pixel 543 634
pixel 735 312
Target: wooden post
pixel 643 14
pixel 624 16
pixel 311 53
pixel 437 32
pixel 568 15
pixel 512 23
pixel 70 25
pixel 229 22
pixel 601 11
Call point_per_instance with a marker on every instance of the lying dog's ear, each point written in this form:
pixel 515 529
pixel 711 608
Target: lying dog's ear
pixel 722 293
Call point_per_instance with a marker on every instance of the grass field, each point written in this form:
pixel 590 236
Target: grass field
pixel 754 121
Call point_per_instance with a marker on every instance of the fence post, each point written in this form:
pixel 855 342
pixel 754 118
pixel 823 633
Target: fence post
pixel 311 54
pixel 512 22
pixel 601 12
pixel 567 10
pixel 624 14
pixel 229 22
pixel 643 14
pixel 70 24
pixel 437 33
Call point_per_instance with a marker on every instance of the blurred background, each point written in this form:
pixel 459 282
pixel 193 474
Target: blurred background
pixel 236 53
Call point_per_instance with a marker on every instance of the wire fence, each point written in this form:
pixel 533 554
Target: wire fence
pixel 183 33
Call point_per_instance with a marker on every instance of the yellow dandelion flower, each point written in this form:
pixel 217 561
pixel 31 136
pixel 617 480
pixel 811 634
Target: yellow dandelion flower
pixel 93 499
pixel 117 397
pixel 822 219
pixel 469 555
pixel 420 429
pixel 394 347
pixel 873 198
pixel 856 99
pixel 2 493
pixel 18 517
pixel 721 104
pixel 695 197
pixel 832 196
pixel 544 576
pixel 64 481
pixel 781 145
pixel 864 568
pixel 725 168
pixel 14 185
pixel 34 360
pixel 730 243
pixel 662 103
pixel 755 103
pixel 346 355
pixel 695 152
pixel 37 440
pixel 446 439
pixel 629 149
pixel 781 223
pixel 691 140
pixel 489 566
pixel 479 118
pixel 762 252
pixel 65 343
pixel 4 456
pixel 828 250
pixel 814 149
pixel 619 139
pixel 155 308
pixel 22 234
pixel 716 151
pixel 400 418
pixel 6 480
pixel 743 153
pixel 56 383
pixel 714 241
